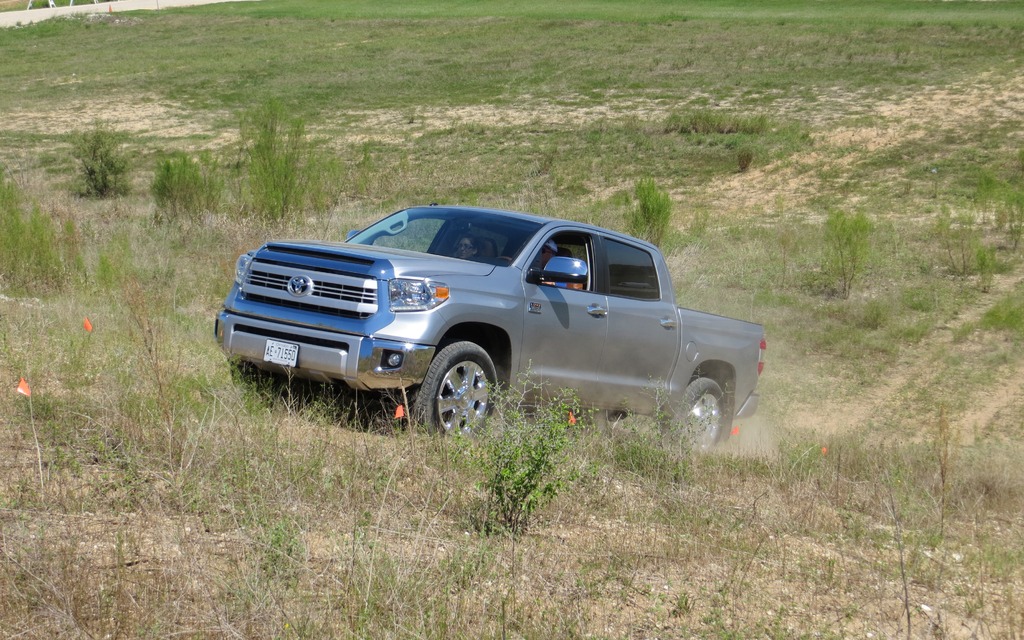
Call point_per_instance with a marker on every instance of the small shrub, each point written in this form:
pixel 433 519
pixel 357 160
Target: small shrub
pixel 184 188
pixel 847 244
pixel 788 241
pixel 103 164
pixel 1011 217
pixel 873 315
pixel 524 464
pixel 652 213
pixel 744 158
pixel 959 239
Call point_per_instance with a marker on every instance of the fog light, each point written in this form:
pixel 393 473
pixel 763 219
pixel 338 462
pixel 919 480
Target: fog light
pixel 394 359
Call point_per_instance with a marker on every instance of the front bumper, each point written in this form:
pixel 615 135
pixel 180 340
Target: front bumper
pixel 360 361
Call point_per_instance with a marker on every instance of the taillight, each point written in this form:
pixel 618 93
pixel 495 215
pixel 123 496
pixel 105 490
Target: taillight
pixel 760 356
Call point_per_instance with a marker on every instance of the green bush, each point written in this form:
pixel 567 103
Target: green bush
pixel 184 188
pixel 524 463
pixel 652 214
pixel 103 165
pixel 847 244
pixel 35 252
pixel 285 172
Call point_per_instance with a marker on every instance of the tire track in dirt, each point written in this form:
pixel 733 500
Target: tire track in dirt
pixel 920 367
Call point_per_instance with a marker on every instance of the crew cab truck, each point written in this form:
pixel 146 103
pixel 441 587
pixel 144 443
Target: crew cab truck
pixel 542 302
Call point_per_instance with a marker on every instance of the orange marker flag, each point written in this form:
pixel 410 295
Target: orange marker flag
pixel 87 325
pixel 400 412
pixel 824 451
pixel 23 388
pixel 572 418
pixel 735 431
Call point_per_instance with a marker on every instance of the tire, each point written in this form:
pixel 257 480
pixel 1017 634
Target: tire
pixel 455 394
pixel 707 416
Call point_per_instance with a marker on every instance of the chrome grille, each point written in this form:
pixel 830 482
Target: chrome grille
pixel 333 293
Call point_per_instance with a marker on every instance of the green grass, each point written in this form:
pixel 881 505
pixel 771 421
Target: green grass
pixel 388 51
pixel 1007 314
pixel 178 499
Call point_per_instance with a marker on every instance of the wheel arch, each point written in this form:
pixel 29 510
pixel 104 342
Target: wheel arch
pixel 492 339
pixel 724 374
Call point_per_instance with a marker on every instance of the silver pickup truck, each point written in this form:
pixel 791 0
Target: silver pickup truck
pixel 446 301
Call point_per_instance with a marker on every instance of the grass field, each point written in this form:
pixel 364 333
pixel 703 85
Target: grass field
pixel 878 493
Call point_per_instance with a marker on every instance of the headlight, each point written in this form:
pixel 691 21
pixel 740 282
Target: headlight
pixel 242 268
pixel 416 295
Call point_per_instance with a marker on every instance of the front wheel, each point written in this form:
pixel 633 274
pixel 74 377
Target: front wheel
pixel 707 415
pixel 455 394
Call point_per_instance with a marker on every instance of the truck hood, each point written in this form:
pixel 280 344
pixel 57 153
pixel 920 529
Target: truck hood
pixel 380 262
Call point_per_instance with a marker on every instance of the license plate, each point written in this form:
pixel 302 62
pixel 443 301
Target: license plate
pixel 285 353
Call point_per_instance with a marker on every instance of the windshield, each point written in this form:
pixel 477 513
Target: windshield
pixel 481 236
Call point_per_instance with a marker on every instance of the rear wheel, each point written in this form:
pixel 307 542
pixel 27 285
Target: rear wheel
pixel 455 394
pixel 707 415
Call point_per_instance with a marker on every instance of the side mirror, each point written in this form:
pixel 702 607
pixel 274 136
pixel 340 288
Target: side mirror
pixel 560 270
pixel 351 234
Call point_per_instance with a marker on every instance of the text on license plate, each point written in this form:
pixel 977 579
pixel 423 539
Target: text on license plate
pixel 285 353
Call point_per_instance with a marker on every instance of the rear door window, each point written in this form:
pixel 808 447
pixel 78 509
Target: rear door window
pixel 631 272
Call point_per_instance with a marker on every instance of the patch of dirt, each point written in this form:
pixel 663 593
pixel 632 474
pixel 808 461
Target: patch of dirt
pixel 139 115
pixel 931 111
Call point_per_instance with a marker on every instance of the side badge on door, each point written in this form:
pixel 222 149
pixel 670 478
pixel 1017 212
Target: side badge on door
pixel 534 307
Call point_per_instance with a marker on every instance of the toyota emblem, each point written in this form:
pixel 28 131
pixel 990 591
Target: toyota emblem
pixel 300 286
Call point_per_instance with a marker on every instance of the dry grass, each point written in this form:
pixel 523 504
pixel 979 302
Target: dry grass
pixel 377 544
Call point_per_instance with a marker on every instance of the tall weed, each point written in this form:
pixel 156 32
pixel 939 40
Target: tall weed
pixel 285 173
pixel 652 214
pixel 847 244
pixel 959 239
pixel 35 252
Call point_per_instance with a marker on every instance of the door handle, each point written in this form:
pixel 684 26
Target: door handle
pixel 596 310
pixel 668 323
